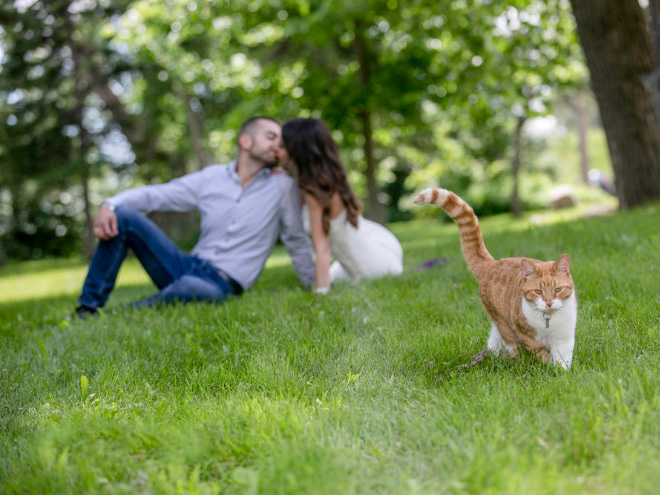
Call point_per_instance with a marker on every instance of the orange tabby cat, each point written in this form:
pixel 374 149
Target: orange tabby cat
pixel 529 302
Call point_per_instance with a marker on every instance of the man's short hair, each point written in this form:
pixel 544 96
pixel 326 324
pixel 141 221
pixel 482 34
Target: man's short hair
pixel 250 126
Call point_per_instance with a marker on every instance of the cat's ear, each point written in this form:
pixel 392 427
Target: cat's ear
pixel 562 265
pixel 528 268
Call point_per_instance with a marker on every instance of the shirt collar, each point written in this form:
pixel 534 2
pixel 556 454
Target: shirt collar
pixel 264 172
pixel 231 170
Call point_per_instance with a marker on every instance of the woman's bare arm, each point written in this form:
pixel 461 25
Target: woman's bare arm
pixel 321 242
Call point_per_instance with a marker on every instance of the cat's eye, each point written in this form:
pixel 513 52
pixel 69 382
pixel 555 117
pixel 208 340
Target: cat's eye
pixel 557 290
pixel 539 291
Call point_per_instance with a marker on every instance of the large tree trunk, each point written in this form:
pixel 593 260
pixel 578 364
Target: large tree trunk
pixel 375 210
pixel 516 208
pixel 654 78
pixel 617 47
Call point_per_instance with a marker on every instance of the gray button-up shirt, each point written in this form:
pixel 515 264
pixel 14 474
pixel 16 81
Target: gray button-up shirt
pixel 239 227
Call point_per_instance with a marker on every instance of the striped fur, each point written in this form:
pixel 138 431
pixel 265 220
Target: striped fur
pixel 472 242
pixel 529 303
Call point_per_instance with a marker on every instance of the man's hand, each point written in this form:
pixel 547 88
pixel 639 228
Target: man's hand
pixel 105 224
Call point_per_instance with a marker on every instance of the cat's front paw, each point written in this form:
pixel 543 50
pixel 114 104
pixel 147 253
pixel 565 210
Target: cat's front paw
pixel 496 346
pixel 561 362
pixel 563 356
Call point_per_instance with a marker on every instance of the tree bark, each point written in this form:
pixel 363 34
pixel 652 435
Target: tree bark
pixel 80 92
pixel 617 47
pixel 375 210
pixel 653 79
pixel 516 208
pixel 90 242
pixel 195 125
pixel 583 129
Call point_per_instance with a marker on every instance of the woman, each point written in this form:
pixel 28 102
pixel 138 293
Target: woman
pixel 361 248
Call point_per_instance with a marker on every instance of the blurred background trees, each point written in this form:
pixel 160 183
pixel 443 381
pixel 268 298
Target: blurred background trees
pixel 101 95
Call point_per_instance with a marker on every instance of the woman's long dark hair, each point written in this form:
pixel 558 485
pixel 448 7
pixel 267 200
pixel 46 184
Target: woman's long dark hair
pixel 320 171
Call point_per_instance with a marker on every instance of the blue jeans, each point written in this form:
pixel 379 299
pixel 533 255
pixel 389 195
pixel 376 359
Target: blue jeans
pixel 179 276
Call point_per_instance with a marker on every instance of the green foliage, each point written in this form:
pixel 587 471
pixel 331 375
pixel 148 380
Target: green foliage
pixel 152 90
pixel 281 391
pixel 426 65
pixel 48 227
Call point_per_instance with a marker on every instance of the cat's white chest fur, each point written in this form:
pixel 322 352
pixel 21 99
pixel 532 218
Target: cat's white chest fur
pixel 557 331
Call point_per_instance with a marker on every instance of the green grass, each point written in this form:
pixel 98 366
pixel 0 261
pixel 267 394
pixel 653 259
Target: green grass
pixel 283 392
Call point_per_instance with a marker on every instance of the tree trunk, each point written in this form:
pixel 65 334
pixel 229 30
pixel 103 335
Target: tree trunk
pixel 583 129
pixel 90 242
pixel 80 95
pixel 617 47
pixel 653 79
pixel 516 208
pixel 375 210
pixel 204 156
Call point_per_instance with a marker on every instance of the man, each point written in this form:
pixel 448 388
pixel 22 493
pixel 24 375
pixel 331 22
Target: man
pixel 244 207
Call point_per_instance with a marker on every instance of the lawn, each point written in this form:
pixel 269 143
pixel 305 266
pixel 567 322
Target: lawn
pixel 357 392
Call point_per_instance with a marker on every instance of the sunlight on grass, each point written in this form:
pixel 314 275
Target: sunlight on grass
pixel 550 217
pixel 62 280
pixel 65 277
pixel 278 258
pixel 418 230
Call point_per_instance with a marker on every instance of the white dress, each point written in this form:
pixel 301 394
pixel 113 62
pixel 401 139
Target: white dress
pixel 370 251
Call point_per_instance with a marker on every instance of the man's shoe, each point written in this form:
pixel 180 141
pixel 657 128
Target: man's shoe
pixel 84 312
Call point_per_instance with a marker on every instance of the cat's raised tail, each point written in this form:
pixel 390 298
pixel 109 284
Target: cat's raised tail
pixel 472 242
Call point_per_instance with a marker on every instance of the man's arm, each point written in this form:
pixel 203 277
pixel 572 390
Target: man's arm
pixel 179 194
pixel 294 238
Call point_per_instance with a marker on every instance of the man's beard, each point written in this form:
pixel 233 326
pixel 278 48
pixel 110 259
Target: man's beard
pixel 265 160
